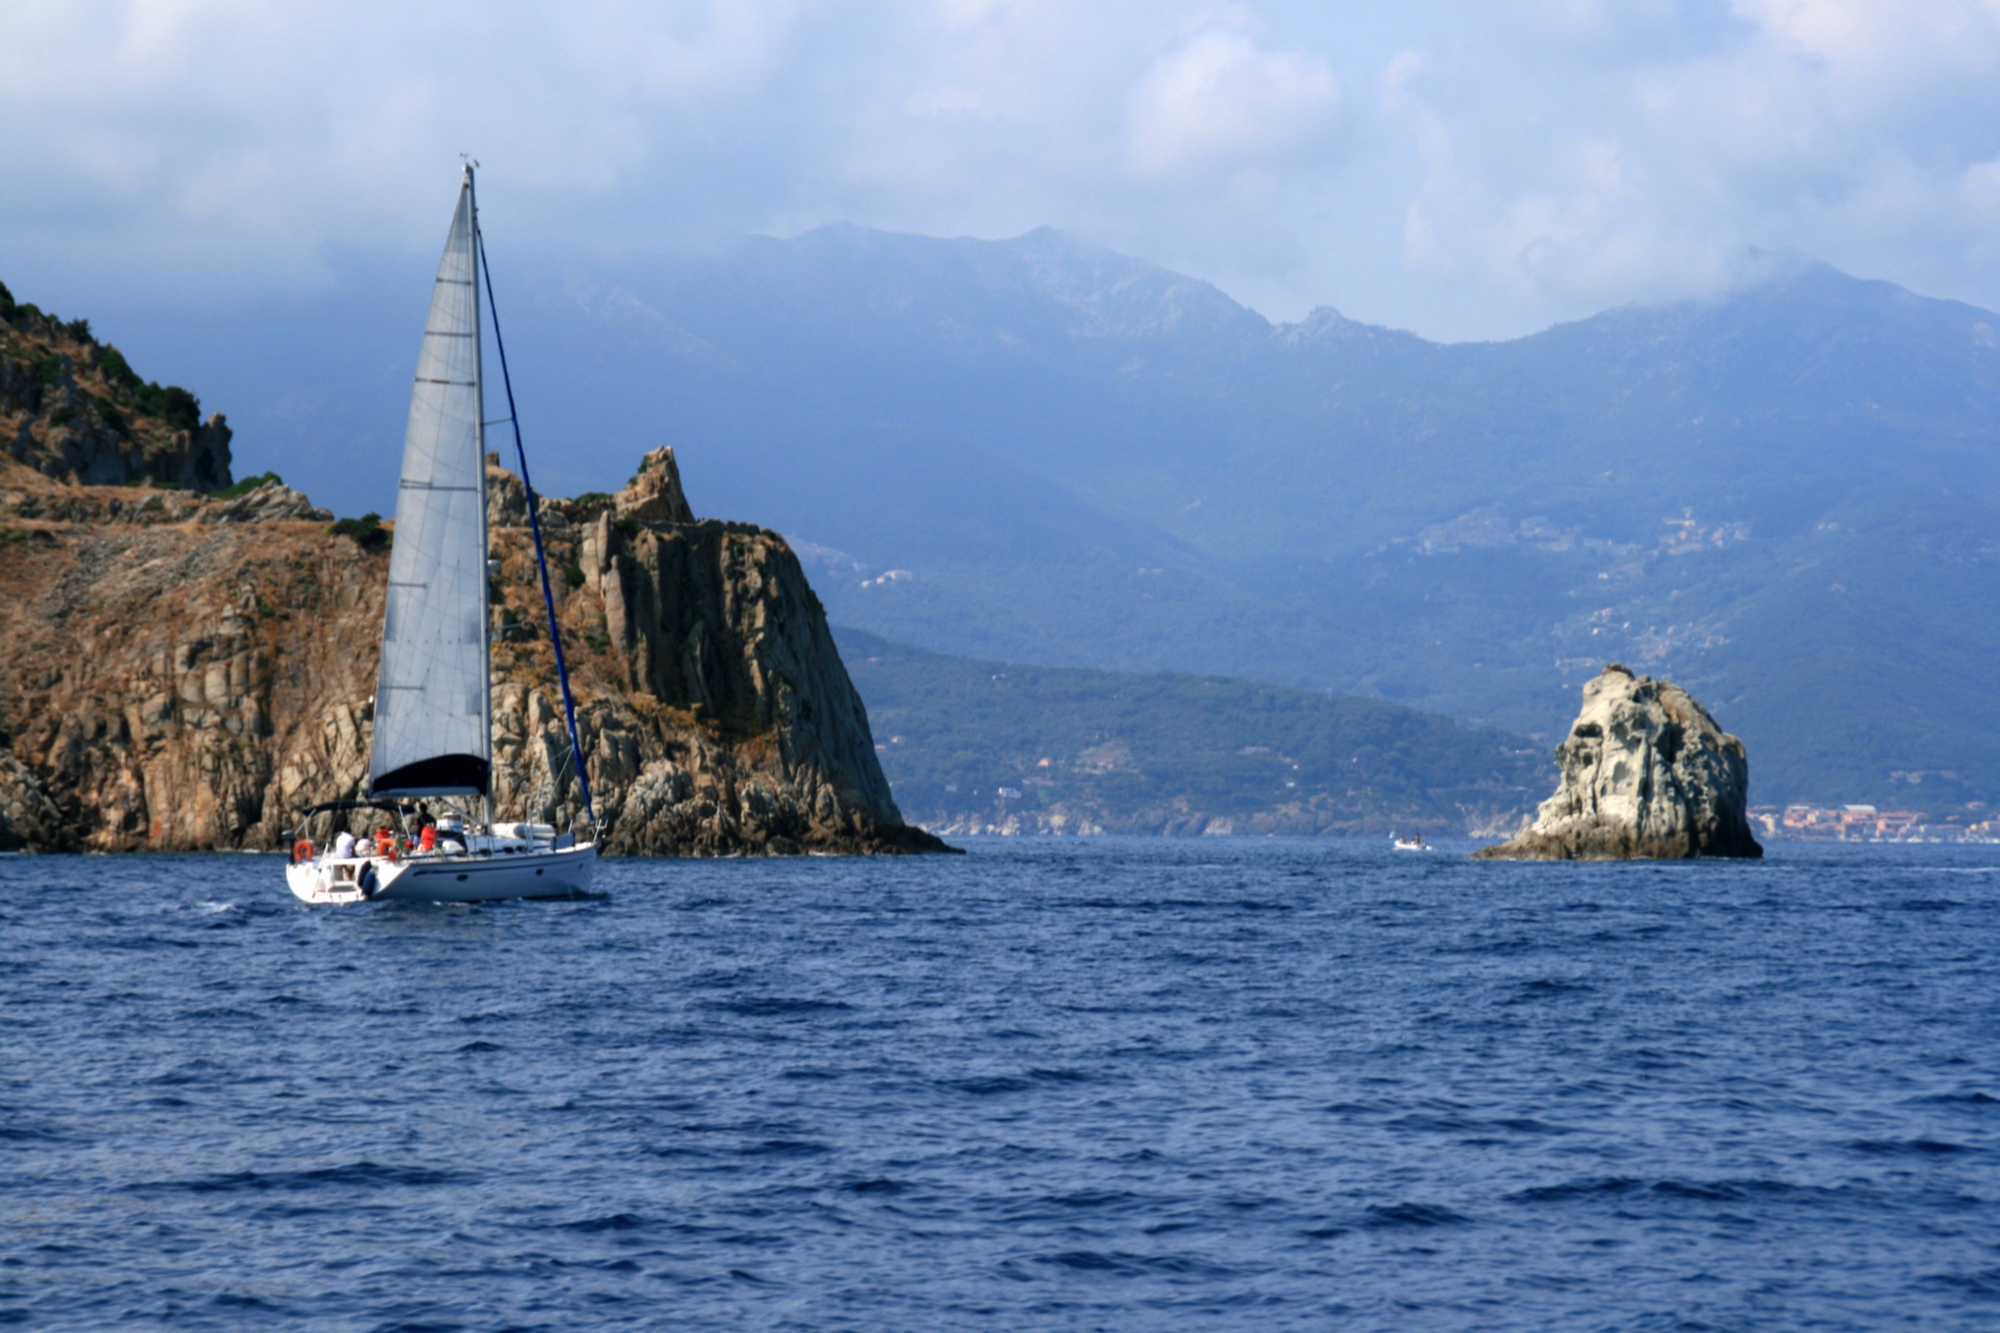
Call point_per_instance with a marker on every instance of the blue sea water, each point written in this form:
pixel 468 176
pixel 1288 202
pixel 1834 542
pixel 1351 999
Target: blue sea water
pixel 1065 1084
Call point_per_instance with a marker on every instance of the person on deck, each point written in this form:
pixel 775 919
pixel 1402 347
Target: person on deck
pixel 343 846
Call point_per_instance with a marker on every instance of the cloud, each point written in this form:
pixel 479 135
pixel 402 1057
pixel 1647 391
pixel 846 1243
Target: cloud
pixel 1468 169
pixel 1217 97
pixel 262 125
pixel 1575 169
pixel 233 139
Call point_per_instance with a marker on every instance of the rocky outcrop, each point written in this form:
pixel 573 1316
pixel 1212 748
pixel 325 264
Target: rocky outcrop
pixel 654 494
pixel 722 719
pixel 268 503
pixel 28 819
pixel 73 410
pixel 1646 773
pixel 182 673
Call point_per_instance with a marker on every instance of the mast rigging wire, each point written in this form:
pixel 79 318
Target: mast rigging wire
pixel 534 523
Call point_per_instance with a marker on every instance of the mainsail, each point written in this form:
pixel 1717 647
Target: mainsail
pixel 431 731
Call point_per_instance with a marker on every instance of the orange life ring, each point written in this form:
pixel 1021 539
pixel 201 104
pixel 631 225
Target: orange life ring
pixel 302 850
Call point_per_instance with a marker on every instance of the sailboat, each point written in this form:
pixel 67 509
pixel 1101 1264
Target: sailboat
pixel 430 768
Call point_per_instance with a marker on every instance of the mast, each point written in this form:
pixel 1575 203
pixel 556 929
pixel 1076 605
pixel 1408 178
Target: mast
pixel 485 543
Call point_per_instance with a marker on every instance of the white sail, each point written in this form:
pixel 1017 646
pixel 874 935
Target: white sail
pixel 432 735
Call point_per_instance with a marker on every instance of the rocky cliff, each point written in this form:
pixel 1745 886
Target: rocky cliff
pixel 72 409
pixel 1646 772
pixel 183 672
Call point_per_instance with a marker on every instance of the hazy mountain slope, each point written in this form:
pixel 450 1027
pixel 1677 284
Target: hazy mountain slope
pixel 1767 407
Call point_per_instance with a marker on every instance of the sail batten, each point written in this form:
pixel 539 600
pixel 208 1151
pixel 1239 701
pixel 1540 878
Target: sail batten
pixel 432 735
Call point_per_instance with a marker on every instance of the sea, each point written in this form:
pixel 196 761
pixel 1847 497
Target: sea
pixel 1117 1084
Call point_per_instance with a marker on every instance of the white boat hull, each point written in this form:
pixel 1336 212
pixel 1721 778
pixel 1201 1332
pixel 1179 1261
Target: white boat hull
pixel 448 879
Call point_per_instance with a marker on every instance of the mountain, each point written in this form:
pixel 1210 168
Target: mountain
pixel 1033 450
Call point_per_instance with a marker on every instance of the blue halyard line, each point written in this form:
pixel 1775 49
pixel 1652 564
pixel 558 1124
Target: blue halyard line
pixel 535 526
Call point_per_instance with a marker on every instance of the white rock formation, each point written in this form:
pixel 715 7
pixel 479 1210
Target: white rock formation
pixel 1646 772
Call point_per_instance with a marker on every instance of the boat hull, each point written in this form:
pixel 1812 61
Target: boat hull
pixel 449 879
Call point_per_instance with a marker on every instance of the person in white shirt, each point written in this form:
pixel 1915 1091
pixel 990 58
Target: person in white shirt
pixel 343 846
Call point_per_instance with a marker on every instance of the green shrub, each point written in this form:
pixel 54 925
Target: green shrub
pixel 7 306
pixel 50 368
pixel 79 329
pixel 117 371
pixel 367 532
pixel 62 416
pixel 573 575
pixel 182 409
pixel 174 406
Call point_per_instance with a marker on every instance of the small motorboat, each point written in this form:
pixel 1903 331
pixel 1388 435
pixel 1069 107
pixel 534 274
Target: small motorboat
pixel 1415 844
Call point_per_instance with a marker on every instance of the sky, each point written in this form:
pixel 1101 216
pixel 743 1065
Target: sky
pixel 1465 170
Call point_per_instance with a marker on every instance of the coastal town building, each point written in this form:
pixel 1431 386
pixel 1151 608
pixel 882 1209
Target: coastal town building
pixel 1865 823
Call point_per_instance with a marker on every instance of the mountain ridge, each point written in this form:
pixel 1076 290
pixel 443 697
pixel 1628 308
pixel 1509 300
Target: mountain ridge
pixel 1180 484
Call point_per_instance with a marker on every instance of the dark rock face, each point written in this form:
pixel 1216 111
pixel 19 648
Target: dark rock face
pixel 1646 773
pixel 91 453
pixel 188 673
pixel 29 821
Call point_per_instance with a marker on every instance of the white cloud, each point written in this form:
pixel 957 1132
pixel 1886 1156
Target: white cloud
pixel 1576 171
pixel 244 137
pixel 1218 98
pixel 1463 168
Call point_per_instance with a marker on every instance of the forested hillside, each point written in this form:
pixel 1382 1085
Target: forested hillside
pixel 972 746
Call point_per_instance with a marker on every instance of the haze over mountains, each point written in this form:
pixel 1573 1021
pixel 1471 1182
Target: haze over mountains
pixel 1031 450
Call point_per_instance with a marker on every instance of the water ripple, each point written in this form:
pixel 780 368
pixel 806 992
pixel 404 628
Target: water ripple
pixel 1242 1085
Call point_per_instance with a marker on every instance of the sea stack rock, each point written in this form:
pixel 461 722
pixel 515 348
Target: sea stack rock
pixel 1646 773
